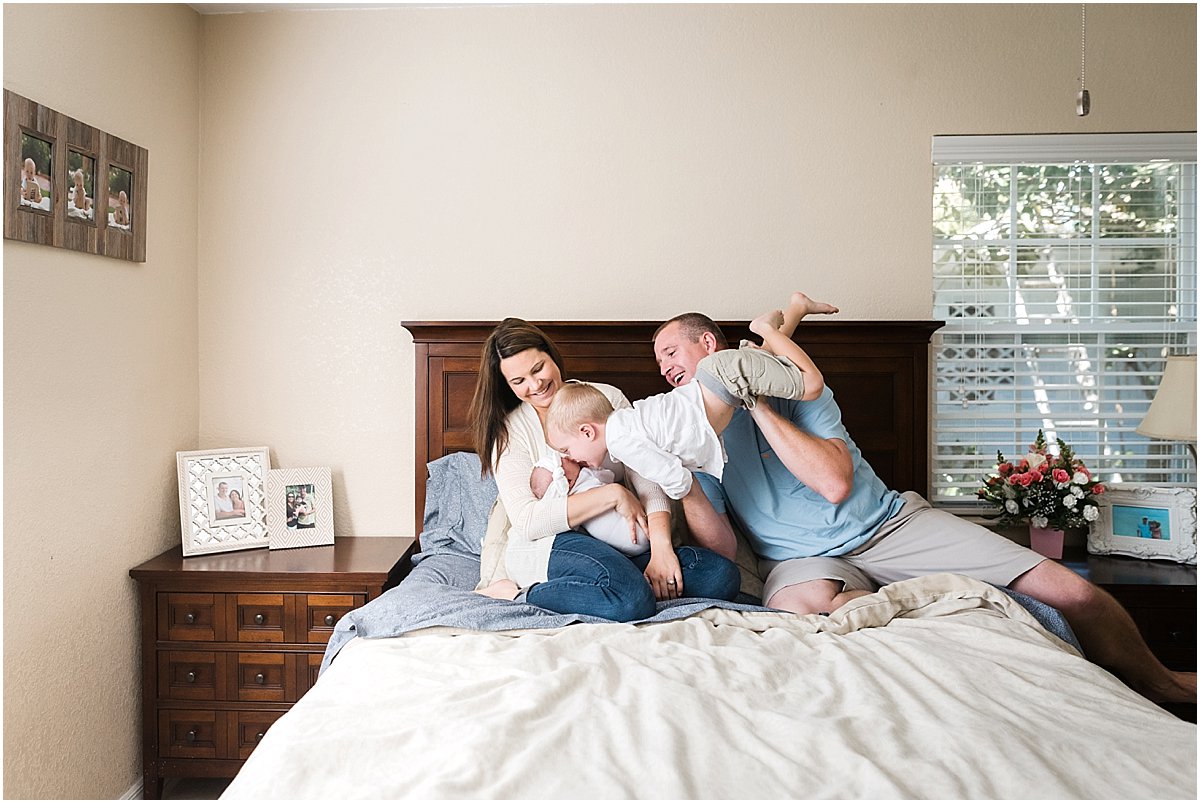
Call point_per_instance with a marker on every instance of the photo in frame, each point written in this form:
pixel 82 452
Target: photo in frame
pixel 60 173
pixel 222 496
pixel 81 186
pixel 299 507
pixel 1146 521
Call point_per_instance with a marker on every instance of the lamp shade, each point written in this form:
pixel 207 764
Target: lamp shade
pixel 1172 414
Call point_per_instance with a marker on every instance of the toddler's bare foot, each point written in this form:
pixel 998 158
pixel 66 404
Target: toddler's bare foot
pixel 800 305
pixel 501 589
pixel 766 322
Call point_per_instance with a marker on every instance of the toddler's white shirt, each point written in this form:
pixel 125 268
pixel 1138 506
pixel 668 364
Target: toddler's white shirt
pixel 667 437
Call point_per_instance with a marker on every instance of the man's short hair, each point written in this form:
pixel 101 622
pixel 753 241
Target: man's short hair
pixel 694 324
pixel 576 403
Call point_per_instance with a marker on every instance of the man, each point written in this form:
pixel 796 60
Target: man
pixel 222 503
pixel 827 529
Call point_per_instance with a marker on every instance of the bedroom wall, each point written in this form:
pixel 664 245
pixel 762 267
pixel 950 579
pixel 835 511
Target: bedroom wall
pixel 100 390
pixel 364 167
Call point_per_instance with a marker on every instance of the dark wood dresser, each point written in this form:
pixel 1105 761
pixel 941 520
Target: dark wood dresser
pixel 231 641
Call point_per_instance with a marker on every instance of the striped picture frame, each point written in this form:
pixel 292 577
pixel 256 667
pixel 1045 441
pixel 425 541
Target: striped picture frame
pixel 299 507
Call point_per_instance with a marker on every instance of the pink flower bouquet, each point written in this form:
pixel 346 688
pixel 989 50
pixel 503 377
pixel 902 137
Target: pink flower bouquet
pixel 1048 490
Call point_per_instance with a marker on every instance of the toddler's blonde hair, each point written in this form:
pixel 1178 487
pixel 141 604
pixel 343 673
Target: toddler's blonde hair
pixel 574 404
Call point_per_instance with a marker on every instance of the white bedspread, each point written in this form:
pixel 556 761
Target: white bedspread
pixel 939 687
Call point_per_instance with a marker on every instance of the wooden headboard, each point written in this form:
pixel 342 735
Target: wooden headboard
pixel 878 370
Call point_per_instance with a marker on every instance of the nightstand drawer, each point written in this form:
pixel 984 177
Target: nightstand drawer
pixel 250 729
pixel 186 675
pixel 193 734
pixel 324 610
pixel 266 677
pixel 263 617
pixel 309 671
pixel 191 617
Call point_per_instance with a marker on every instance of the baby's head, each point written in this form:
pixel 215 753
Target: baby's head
pixel 77 177
pixel 575 423
pixel 30 167
pixel 122 197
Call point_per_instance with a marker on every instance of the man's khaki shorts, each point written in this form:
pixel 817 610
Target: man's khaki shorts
pixel 918 540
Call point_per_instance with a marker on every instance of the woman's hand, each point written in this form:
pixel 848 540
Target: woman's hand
pixel 663 574
pixel 631 508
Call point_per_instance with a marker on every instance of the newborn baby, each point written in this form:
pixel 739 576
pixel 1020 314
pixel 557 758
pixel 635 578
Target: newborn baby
pixel 560 478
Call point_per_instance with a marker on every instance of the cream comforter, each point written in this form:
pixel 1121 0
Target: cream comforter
pixel 939 687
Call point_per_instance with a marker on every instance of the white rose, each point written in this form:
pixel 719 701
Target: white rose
pixel 1070 501
pixel 1090 512
pixel 1011 506
pixel 1035 460
pixel 1079 478
pixel 1040 522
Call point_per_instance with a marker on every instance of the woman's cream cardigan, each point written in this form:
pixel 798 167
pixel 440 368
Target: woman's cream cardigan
pixel 522 527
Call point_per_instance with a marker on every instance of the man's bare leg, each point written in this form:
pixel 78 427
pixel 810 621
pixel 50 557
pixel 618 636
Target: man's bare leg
pixel 1106 632
pixel 814 596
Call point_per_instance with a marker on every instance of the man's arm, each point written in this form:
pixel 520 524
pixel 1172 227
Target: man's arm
pixel 822 464
pixel 709 528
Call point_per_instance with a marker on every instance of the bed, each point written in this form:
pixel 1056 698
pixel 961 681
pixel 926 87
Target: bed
pixel 938 687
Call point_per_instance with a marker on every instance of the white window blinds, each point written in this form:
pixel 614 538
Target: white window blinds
pixel 1065 269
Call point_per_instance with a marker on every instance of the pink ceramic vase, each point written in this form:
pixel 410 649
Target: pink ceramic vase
pixel 1046 541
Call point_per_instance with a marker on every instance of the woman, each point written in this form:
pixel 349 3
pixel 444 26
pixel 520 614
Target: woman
pixel 530 540
pixel 239 507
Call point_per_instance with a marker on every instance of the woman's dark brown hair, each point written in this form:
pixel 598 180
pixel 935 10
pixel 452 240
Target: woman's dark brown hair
pixel 494 399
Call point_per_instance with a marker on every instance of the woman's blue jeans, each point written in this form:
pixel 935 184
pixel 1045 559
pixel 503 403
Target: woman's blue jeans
pixel 587 576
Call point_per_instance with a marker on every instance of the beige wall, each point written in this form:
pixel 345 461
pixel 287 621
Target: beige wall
pixel 361 168
pixel 100 389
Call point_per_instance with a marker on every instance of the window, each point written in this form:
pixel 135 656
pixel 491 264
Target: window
pixel 1065 269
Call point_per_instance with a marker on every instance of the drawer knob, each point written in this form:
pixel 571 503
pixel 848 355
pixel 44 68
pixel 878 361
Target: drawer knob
pixel 191 736
pixel 260 678
pixel 190 619
pixel 259 618
pixel 191 677
pixel 329 619
pixel 258 736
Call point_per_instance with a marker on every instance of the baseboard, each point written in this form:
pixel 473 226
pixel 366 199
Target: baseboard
pixel 134 792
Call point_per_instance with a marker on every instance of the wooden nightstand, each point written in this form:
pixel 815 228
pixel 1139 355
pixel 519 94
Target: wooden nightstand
pixel 1161 598
pixel 231 641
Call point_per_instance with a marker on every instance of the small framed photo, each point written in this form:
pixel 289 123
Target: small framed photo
pixel 222 499
pixel 1146 521
pixel 299 507
pixel 81 186
pixel 120 198
pixel 37 171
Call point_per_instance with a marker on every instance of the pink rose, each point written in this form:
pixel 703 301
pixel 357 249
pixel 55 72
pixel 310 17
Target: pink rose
pixel 1023 479
pixel 1034 476
pixel 1061 476
pixel 1023 465
pixel 1005 469
pixel 1098 488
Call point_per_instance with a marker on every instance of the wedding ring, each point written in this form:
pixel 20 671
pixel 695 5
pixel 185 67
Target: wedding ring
pixel 670 582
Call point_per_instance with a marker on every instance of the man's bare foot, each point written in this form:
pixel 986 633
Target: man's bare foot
pixel 501 589
pixel 1181 690
pixel 766 322
pixel 800 305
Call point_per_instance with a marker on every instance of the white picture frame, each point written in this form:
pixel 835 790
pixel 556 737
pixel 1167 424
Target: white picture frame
pixel 1146 521
pixel 211 517
pixel 306 519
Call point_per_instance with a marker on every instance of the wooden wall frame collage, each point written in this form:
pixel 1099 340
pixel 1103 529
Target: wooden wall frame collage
pixel 70 185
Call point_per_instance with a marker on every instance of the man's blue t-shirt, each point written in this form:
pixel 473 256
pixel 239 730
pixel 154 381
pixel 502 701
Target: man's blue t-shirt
pixel 782 517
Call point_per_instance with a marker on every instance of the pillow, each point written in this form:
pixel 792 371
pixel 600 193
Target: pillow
pixel 457 503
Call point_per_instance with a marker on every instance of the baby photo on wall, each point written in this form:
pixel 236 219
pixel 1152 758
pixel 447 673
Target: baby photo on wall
pixel 81 186
pixel 120 198
pixel 35 172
